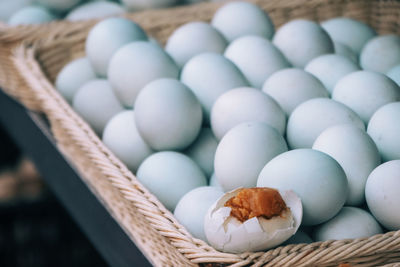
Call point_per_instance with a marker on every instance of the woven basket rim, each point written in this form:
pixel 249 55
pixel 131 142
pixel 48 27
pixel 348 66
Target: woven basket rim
pixel 24 54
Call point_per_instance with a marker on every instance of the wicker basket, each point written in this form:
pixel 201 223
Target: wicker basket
pixel 31 57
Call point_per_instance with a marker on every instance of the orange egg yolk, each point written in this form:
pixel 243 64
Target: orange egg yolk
pixel 256 202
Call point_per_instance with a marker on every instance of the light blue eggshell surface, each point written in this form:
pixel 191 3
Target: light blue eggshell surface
pixel 108 36
pixel 169 176
pixel 96 103
pixel 243 152
pixel 137 64
pixel 123 139
pixel 314 176
pixel 168 115
pixel 193 206
pixel 72 76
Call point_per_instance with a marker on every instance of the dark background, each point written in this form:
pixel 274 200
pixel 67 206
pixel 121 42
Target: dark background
pixel 35 230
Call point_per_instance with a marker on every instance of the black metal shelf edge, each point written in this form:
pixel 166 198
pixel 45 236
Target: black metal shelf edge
pixel 31 133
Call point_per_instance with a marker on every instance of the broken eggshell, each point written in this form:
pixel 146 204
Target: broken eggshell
pixel 227 234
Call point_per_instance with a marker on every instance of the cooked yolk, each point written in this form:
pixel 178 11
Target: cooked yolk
pixel 256 202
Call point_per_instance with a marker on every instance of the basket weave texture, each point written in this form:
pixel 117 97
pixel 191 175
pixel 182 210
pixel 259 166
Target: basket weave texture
pixel 32 56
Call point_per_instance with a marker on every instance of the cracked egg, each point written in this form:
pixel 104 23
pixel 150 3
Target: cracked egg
pixel 252 219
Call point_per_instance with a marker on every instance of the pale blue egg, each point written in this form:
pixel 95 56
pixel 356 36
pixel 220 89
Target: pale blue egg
pixel 136 5
pixel 384 128
pixel 314 176
pixel 350 222
pixel 194 38
pixel 299 237
pixel 214 182
pixel 238 19
pixel 312 117
pixel 202 150
pixel 168 115
pixel 31 15
pixel 256 57
pixel 92 10
pixel 72 76
pixel 365 92
pixel 394 74
pixel 301 41
pixel 96 103
pixel 209 75
pixel 169 176
pixel 291 87
pixel 59 5
pixel 355 151
pixel 381 53
pixel 243 152
pixel 9 7
pixel 245 104
pixel 346 51
pixel 382 194
pixel 123 139
pixel 106 37
pixel 329 69
pixel 355 34
pixel 193 206
pixel 137 64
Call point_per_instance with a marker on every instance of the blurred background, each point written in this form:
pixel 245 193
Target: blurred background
pixel 17 12
pixel 35 230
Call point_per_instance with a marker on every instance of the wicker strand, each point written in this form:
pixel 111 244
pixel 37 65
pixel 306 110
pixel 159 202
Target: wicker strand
pixel 28 73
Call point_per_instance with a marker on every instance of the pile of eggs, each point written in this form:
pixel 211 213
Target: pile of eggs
pixel 311 111
pixel 18 12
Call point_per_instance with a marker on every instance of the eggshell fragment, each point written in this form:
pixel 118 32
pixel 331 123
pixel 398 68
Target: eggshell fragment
pixel 243 152
pixel 350 222
pixel 242 105
pixel 365 92
pixel 256 57
pixel 291 87
pixel 384 128
pixel 192 39
pixel 314 176
pixel 253 21
pixel 227 234
pixel 302 40
pixel 312 117
pixel 355 151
